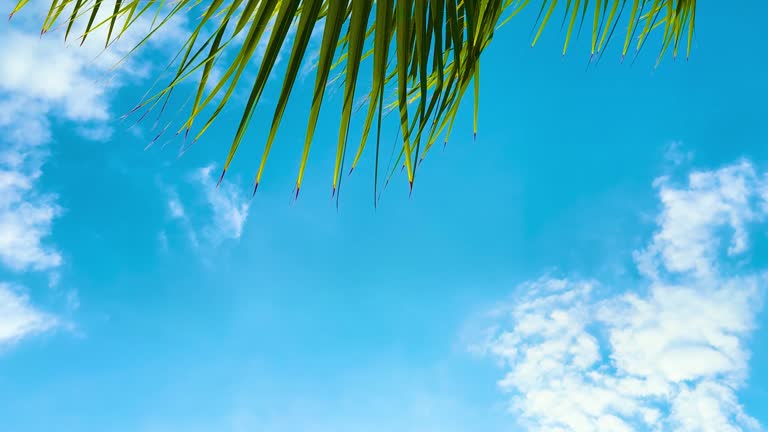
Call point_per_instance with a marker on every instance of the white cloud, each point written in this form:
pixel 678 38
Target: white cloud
pixel 97 132
pixel 675 154
pixel 223 215
pixel 44 80
pixel 714 199
pixel 175 207
pixel 228 205
pixel 26 215
pixel 46 77
pixel 178 213
pixel 667 356
pixel 18 318
pixel 69 89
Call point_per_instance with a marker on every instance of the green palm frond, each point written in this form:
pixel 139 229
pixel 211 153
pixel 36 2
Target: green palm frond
pixel 426 52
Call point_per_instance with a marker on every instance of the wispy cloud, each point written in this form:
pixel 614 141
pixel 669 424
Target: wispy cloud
pixel 310 61
pixel 676 154
pixel 221 216
pixel 18 318
pixel 669 355
pixel 228 205
pixel 178 213
pixel 175 207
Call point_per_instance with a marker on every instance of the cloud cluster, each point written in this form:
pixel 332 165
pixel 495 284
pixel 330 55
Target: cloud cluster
pixel 43 80
pixel 667 355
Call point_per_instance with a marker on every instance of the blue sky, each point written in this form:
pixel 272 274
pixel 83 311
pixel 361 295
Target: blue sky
pixel 595 261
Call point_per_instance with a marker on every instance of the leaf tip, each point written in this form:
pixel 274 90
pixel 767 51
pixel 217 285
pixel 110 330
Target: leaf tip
pixel 221 177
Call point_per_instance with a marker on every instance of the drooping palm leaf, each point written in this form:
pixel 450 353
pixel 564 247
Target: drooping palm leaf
pixel 426 52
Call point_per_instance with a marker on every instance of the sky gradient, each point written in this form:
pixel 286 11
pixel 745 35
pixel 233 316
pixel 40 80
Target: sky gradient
pixel 595 261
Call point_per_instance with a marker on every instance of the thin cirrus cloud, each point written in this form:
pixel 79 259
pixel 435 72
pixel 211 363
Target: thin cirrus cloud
pixel 668 356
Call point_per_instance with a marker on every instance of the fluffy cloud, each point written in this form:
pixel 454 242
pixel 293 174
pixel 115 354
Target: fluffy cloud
pixel 685 241
pixel 667 355
pixel 18 318
pixel 45 77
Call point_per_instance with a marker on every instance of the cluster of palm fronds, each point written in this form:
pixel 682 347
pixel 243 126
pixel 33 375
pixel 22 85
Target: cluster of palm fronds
pixel 426 52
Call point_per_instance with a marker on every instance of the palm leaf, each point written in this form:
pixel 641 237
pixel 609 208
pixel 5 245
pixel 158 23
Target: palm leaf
pixel 424 52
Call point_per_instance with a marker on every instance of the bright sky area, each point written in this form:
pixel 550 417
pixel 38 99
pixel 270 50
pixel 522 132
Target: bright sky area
pixel 595 261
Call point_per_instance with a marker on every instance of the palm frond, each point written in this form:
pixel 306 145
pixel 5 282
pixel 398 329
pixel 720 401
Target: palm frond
pixel 427 52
